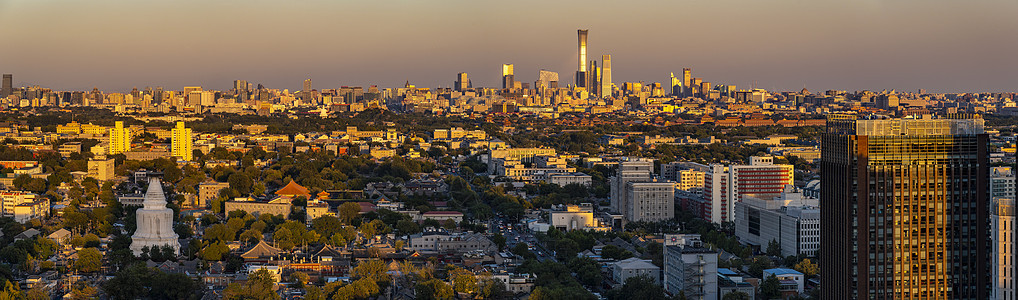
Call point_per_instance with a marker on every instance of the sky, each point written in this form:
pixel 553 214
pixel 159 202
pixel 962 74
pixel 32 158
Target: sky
pixel 115 45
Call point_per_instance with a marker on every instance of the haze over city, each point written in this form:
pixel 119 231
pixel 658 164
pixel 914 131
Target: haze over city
pixel 940 46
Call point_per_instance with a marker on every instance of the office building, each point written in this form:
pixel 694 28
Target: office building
pixel 507 76
pixel 791 219
pixel 1002 230
pixel 182 142
pixel 8 86
pixel 687 81
pixel 725 185
pixel 691 269
pixel 462 82
pixel 581 70
pixel 905 208
pixel 307 94
pixel 675 85
pixel 120 138
pixel 546 80
pixel 606 76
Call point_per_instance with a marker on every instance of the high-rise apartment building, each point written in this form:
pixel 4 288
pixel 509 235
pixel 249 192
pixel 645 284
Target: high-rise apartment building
pixel 904 208
pixel 1002 230
pixel 628 171
pixel 507 76
pixel 462 82
pixel 182 142
pixel 120 139
pixel 606 76
pixel 101 168
pixel 8 86
pixel 581 70
pixel 725 185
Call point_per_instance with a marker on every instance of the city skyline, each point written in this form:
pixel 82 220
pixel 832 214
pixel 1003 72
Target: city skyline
pixel 867 45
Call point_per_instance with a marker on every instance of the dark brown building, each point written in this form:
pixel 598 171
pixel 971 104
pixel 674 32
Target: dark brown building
pixel 904 209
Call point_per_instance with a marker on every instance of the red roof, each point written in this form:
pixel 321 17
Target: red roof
pixel 293 189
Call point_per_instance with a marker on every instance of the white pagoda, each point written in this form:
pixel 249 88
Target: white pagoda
pixel 155 221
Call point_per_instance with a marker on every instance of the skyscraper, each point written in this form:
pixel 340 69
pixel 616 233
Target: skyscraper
pixel 581 72
pixel 606 76
pixel 306 93
pixel 904 208
pixel 687 81
pixel 675 86
pixel 462 82
pixel 507 76
pixel 182 142
pixel 120 139
pixel 1003 229
pixel 8 86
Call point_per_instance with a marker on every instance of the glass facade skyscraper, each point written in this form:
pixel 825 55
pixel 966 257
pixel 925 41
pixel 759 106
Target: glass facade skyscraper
pixel 904 208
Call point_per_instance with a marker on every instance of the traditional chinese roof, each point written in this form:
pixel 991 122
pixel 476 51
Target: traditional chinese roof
pixel 328 251
pixel 323 195
pixel 293 189
pixel 261 250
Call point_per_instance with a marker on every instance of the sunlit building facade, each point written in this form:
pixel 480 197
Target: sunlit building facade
pixel 182 142
pixel 905 209
pixel 120 139
pixel 1002 230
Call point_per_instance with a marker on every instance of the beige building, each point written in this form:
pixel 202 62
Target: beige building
pixel 441 241
pixel 209 190
pixel 27 211
pixel 689 180
pixel 101 168
pixel 575 217
pixel 280 206
pixel 633 267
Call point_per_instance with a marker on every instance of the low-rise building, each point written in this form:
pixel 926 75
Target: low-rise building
pixel 442 216
pixel 633 267
pixel 442 241
pixel 209 190
pixel 279 206
pixel 575 217
pixel 790 219
pixel 791 280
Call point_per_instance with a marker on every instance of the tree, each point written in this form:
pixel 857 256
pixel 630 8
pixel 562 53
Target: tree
pixel 639 287
pixel 258 286
pixel 499 240
pixel 463 281
pixel 770 288
pixel 433 289
pixel 407 227
pixel 89 260
pixel 349 211
pixel 736 295
pixel 327 225
pixel 759 264
pixel 240 182
pixel 773 248
pixel 807 267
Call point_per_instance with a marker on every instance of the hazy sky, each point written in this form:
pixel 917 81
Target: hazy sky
pixel 939 45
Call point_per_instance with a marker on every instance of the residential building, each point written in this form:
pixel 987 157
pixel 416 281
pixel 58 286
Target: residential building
pixel 649 201
pixel 279 206
pixel 791 280
pixel 1002 183
pixel 635 170
pixel 182 142
pixel 634 267
pixel 120 139
pixel 723 186
pixel 730 282
pixel 905 208
pixel 209 190
pixel 692 270
pixel 101 168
